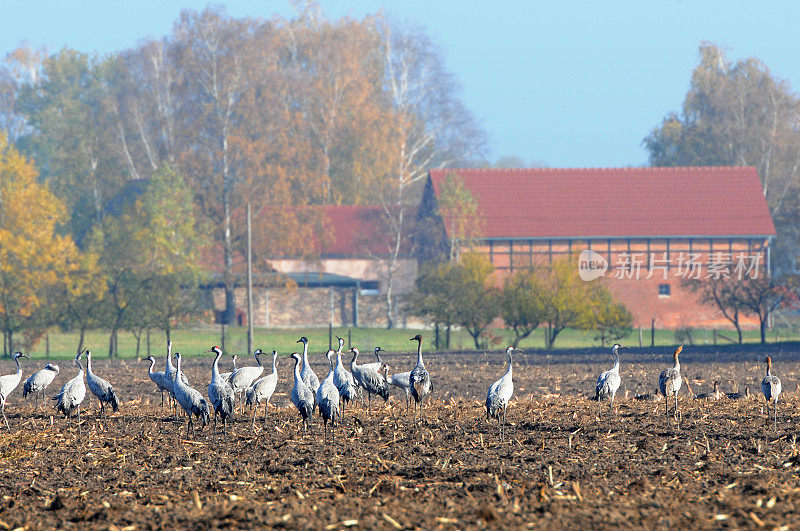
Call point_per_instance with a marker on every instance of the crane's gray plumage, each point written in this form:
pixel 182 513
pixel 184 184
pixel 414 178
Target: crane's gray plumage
pixel 401 380
pixel 328 400
pixel 190 399
pixel 227 375
pixel 500 394
pixel 740 395
pixel 263 389
pixel 372 382
pixel 771 387
pixel 669 382
pixel 220 393
pixel 169 372
pixel 302 395
pixel 159 378
pixel 609 381
pixel 8 383
pixel 376 366
pixel 37 382
pixel 100 388
pixel 242 377
pixel 420 380
pixel 69 400
pixel 308 375
pixel 343 379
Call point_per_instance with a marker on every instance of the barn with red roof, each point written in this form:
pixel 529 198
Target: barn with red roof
pixel 646 228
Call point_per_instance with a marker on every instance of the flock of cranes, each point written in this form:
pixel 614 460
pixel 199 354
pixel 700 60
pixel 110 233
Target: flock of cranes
pixel 329 397
pixel 670 381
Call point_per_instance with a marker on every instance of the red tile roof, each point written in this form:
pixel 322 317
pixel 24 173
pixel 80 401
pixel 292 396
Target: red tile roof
pixel 617 202
pixel 356 231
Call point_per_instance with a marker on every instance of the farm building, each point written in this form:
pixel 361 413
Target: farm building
pixel 639 230
pixel 344 282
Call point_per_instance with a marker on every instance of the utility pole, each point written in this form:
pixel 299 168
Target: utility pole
pixel 250 339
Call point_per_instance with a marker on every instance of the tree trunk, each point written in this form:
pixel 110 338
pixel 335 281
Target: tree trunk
pixel 763 325
pixel 81 339
pixel 739 332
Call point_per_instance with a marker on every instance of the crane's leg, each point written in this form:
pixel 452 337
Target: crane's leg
pixel 611 406
pixel 266 410
pixel 255 410
pixel 162 399
pixel 3 409
pixel 370 402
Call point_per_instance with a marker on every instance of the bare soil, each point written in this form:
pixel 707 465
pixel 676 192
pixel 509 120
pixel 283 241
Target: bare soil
pixel 559 466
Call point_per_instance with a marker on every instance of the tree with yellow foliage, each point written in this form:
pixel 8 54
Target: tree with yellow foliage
pixel 33 257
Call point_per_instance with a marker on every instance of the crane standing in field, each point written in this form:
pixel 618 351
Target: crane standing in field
pixel 100 388
pixel 328 401
pixel 420 380
pixel 608 382
pixel 190 399
pixel 69 400
pixel 159 378
pixel 220 394
pixel 715 395
pixel 37 382
pixel 343 379
pixel 242 377
pixel 669 383
pixel 169 372
pixel 372 382
pixel 8 383
pixel 500 394
pixel 302 396
pixel 401 380
pixel 263 389
pixel 771 387
pixel 308 375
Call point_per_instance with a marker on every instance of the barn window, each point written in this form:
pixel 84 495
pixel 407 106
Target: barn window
pixel 664 290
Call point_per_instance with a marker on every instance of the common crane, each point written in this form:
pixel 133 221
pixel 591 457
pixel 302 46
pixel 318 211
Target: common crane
pixel 190 399
pixel 372 382
pixel 8 383
pixel 263 389
pixel 740 395
pixel 420 380
pixel 500 394
pixel 159 378
pixel 69 400
pixel 771 387
pixel 37 382
pixel 609 381
pixel 220 393
pixel 669 383
pixel 343 380
pixel 100 388
pixel 242 377
pixel 401 380
pixel 306 372
pixel 328 401
pixel 302 396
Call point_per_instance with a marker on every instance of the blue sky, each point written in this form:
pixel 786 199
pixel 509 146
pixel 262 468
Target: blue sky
pixel 570 84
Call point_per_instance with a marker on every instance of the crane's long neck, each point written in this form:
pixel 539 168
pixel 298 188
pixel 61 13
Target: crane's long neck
pixel 305 354
pixel 510 366
pixel 178 371
pixel 258 360
pixel 341 345
pixel 274 362
pixel 339 364
pixel 677 366
pixel 80 367
pixel 769 368
pixel 152 363
pixel 19 367
pixel 170 366
pixel 615 368
pixel 89 364
pixel 297 377
pixel 215 367
pixel 419 354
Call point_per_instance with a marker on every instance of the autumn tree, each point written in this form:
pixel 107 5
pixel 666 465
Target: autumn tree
pixel 33 257
pixel 459 211
pixel 521 304
pixel 566 298
pixel 610 319
pixel 151 239
pixel 477 299
pixel 739 114
pixel 725 294
pixel 67 135
pixel 434 128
